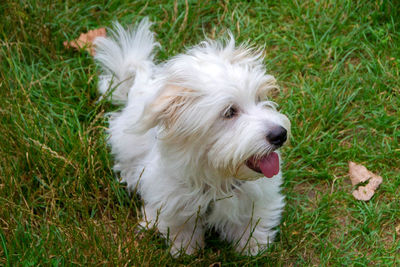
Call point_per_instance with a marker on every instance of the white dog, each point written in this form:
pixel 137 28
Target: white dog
pixel 196 138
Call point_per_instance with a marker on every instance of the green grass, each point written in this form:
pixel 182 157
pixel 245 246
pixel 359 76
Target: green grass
pixel 338 67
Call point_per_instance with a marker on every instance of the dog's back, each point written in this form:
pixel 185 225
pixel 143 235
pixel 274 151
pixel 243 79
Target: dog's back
pixel 126 61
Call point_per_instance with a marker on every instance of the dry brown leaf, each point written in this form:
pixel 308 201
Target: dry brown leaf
pixel 375 182
pixel 398 230
pixel 358 173
pixel 363 193
pixel 86 40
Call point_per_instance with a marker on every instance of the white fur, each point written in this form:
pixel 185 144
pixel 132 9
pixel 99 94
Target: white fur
pixel 172 143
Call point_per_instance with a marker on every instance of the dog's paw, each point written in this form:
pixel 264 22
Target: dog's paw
pixel 177 250
pixel 145 224
pixel 253 246
pixel 186 244
pixel 252 249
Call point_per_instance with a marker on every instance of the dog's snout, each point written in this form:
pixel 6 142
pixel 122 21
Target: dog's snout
pixel 277 136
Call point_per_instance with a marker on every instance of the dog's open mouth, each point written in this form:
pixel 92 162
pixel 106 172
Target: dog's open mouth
pixel 267 165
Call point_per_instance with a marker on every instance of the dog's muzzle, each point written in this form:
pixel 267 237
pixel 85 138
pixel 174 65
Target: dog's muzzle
pixel 277 136
pixel 267 165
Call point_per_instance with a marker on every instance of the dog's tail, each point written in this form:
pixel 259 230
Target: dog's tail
pixel 125 56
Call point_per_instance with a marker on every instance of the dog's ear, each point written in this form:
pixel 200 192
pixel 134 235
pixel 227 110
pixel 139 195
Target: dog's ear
pixel 166 108
pixel 269 88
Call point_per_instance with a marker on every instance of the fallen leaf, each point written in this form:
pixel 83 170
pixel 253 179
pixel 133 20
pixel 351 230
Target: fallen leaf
pixel 86 40
pixel 375 182
pixel 363 193
pixel 398 230
pixel 358 173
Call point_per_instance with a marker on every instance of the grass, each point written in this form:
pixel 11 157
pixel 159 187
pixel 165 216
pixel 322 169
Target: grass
pixel 338 66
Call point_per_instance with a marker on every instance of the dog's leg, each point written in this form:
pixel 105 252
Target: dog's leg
pixel 185 233
pixel 187 238
pixel 257 232
pixel 252 237
pixel 252 228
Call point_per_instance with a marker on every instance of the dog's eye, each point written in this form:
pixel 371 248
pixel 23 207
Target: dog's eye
pixel 231 112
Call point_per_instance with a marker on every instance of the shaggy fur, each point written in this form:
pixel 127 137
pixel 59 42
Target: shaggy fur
pixel 186 133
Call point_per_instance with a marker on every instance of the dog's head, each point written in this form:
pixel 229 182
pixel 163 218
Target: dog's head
pixel 212 104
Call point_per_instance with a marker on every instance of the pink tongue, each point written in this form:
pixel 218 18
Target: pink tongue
pixel 269 165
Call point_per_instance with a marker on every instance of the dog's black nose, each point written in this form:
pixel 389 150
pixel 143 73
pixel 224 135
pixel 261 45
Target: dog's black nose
pixel 277 136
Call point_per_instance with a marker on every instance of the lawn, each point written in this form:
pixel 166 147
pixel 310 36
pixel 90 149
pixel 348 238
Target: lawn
pixel 337 63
